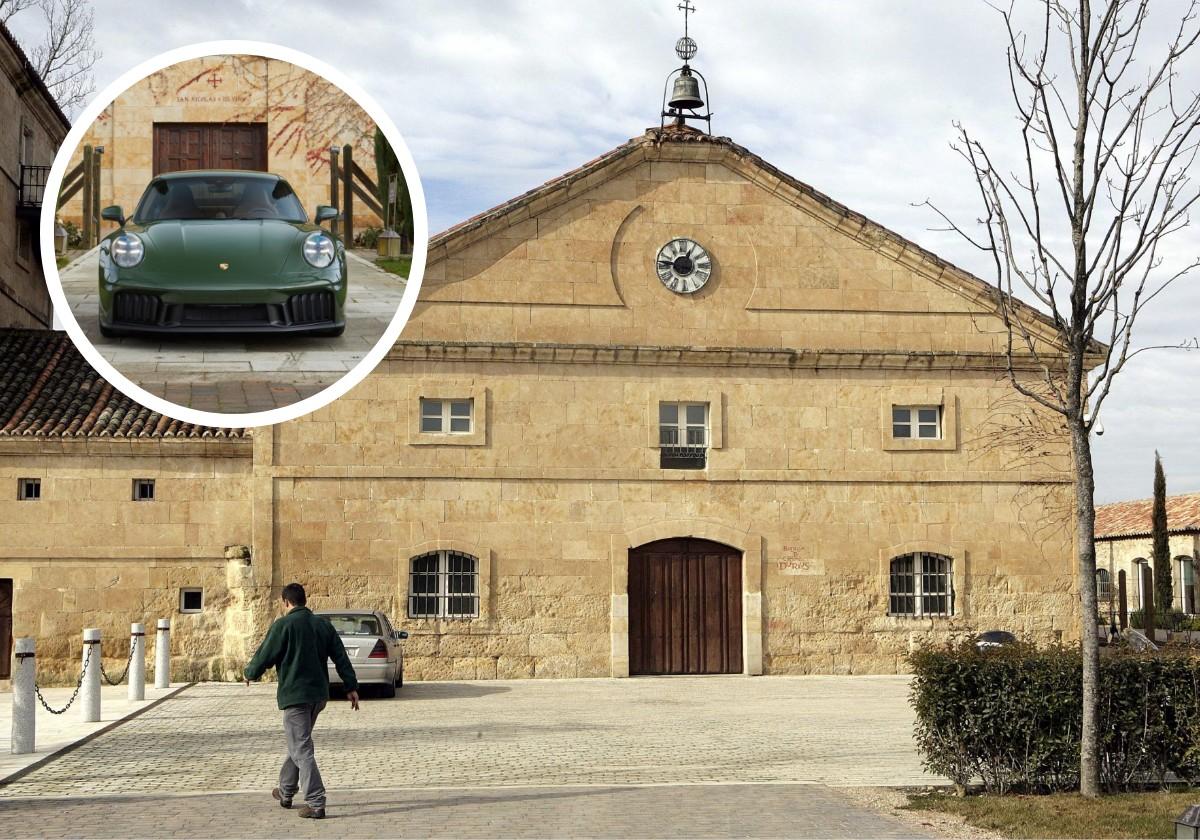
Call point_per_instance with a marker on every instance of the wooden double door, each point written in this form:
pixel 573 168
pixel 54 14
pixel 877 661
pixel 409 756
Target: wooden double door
pixel 180 147
pixel 685 608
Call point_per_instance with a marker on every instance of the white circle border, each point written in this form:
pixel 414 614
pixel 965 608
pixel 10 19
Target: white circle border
pixel 257 418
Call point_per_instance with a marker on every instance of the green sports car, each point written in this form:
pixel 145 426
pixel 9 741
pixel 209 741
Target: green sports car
pixel 221 252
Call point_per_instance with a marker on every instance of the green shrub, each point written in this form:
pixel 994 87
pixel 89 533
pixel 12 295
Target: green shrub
pixel 74 235
pixel 1011 716
pixel 367 237
pixel 1170 620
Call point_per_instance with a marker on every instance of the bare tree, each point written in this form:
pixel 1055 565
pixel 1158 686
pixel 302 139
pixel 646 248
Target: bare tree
pixel 8 8
pixel 1079 224
pixel 67 53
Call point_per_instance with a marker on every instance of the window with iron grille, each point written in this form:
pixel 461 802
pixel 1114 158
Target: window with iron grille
pixel 683 435
pixel 442 417
pixel 443 584
pixel 913 421
pixel 921 584
pixel 1103 585
pixel 143 489
pixel 29 489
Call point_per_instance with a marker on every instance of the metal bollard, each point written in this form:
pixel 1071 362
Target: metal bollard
pixel 137 662
pixel 162 655
pixel 89 689
pixel 24 706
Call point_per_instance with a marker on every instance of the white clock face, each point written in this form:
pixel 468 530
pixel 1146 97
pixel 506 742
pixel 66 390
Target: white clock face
pixel 683 266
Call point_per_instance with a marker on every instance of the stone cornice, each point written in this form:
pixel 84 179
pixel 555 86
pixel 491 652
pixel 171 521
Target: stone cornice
pixel 733 357
pixel 816 477
pixel 133 447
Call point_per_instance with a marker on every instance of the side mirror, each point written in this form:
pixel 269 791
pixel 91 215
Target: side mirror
pixel 402 634
pixel 325 213
pixel 113 214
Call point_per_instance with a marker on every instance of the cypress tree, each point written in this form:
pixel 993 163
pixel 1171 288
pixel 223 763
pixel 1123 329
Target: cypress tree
pixel 1162 547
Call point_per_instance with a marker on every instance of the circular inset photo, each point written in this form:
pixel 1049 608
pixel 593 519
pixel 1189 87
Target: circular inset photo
pixel 239 234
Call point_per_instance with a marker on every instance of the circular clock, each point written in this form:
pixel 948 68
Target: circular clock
pixel 683 266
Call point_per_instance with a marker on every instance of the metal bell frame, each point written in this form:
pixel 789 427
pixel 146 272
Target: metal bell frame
pixel 680 114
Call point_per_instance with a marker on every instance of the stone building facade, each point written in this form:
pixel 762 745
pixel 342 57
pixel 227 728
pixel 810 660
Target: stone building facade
pixel 226 112
pixel 570 464
pixel 33 128
pixel 1125 545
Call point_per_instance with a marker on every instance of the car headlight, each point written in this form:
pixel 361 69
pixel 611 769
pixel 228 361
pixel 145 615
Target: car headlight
pixel 127 250
pixel 319 249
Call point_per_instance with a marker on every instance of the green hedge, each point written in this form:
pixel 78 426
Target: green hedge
pixel 1011 716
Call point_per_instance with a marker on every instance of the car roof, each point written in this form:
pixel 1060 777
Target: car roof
pixel 231 173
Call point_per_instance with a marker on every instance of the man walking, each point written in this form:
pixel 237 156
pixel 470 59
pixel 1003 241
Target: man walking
pixel 298 646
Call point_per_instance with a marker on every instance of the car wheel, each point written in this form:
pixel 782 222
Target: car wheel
pixel 388 690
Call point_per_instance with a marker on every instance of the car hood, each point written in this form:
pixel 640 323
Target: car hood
pixel 249 247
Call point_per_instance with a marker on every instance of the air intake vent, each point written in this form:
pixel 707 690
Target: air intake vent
pixel 311 308
pixel 131 308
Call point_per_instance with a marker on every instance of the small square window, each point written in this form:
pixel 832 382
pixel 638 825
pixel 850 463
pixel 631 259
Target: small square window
pixel 455 417
pixel 143 489
pixel 191 600
pixel 917 422
pixel 29 489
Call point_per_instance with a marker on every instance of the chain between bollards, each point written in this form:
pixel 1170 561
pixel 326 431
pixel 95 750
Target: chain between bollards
pixel 128 662
pixel 79 684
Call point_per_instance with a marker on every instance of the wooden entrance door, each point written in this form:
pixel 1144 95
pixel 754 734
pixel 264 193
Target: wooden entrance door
pixel 6 637
pixel 685 608
pixel 184 146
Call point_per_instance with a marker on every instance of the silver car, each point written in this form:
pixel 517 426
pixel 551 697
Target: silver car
pixel 373 647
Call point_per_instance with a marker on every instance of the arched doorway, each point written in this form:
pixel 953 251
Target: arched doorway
pixel 685 608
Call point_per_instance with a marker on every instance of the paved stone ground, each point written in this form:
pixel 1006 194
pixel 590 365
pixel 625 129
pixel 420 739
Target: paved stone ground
pixel 236 375
pixel 642 757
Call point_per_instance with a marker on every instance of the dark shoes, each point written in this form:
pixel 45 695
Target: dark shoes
pixel 284 801
pixel 312 813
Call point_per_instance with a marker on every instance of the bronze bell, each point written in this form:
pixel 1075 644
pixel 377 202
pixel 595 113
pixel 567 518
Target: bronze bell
pixel 686 94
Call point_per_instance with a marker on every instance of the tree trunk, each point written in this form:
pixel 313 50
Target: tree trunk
pixel 1085 538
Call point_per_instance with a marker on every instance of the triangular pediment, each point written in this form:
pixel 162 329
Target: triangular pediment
pixel 575 259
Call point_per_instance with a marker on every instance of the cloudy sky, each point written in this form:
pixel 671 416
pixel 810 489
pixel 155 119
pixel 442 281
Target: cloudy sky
pixel 855 97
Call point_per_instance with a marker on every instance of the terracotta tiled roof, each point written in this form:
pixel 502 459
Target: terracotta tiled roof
pixel 47 390
pixel 1132 519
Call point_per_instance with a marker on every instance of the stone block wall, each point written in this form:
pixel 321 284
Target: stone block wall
pixel 86 555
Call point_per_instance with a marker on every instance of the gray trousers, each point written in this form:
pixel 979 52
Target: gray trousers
pixel 300 767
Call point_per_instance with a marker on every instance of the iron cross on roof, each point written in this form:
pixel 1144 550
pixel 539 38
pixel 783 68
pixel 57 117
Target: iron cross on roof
pixel 686 7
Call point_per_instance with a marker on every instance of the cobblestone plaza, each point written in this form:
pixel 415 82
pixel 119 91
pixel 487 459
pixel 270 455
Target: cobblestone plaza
pixel 666 757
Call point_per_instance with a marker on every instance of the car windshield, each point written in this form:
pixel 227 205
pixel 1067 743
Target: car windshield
pixel 219 197
pixel 355 625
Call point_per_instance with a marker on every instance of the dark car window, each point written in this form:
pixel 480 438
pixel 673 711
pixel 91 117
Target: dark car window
pixel 355 625
pixel 219 197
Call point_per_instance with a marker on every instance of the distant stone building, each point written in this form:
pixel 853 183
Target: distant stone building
pixel 227 112
pixel 1124 545
pixel 33 129
pixel 673 412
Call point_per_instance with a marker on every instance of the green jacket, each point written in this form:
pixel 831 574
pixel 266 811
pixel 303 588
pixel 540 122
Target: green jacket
pixel 298 646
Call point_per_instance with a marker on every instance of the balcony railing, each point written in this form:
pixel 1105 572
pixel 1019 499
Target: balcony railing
pixel 673 455
pixel 33 186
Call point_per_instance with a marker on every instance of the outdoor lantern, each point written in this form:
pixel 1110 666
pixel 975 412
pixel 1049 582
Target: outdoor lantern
pixel 389 243
pixel 60 238
pixel 1187 824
